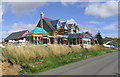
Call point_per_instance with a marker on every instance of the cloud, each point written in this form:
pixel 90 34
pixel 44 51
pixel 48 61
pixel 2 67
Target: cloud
pixel 111 27
pixel 94 22
pixel 17 27
pixel 87 28
pixel 103 10
pixel 68 2
pixel 20 26
pixel 20 8
pixel 81 5
pixel 71 21
pixel 110 34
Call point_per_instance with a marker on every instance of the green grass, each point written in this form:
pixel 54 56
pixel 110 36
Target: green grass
pixel 38 58
pixel 56 61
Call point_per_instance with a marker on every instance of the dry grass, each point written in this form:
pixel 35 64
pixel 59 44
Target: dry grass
pixel 59 49
pixel 76 49
pixel 32 51
pixel 95 48
pixel 8 69
pixel 25 53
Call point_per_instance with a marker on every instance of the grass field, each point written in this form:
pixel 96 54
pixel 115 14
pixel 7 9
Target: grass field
pixel 34 59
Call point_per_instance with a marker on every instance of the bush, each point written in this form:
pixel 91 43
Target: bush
pixel 99 38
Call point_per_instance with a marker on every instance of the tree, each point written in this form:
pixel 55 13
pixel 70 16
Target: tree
pixel 99 38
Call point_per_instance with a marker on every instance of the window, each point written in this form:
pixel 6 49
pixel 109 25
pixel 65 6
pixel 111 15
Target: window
pixel 78 40
pixel 85 42
pixel 35 37
pixel 88 42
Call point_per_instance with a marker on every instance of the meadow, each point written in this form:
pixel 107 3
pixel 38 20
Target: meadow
pixel 38 58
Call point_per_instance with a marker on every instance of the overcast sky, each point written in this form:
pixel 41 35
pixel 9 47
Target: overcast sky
pixel 91 16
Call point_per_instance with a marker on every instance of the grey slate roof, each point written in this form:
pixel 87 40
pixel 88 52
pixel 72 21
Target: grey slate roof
pixel 16 35
pixel 77 35
pixel 54 22
pixel 50 22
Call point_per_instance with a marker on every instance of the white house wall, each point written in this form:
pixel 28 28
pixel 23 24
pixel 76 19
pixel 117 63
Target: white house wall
pixel 12 41
pixel 24 40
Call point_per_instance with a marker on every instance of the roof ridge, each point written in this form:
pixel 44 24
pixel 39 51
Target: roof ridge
pixel 51 19
pixel 47 18
pixel 19 31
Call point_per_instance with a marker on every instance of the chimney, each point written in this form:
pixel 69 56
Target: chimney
pixel 42 15
pixel 41 18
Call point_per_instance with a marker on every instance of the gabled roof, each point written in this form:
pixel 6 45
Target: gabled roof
pixel 16 35
pixel 54 22
pixel 77 35
pixel 50 22
pixel 38 30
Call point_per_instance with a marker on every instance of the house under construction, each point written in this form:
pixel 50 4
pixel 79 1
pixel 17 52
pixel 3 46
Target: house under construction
pixel 49 31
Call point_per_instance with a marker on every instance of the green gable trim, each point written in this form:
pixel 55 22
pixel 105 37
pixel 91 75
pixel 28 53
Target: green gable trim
pixel 38 30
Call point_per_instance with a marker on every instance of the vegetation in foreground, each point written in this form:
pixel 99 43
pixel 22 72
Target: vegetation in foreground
pixel 115 41
pixel 34 59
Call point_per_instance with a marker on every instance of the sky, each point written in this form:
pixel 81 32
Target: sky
pixel 90 16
